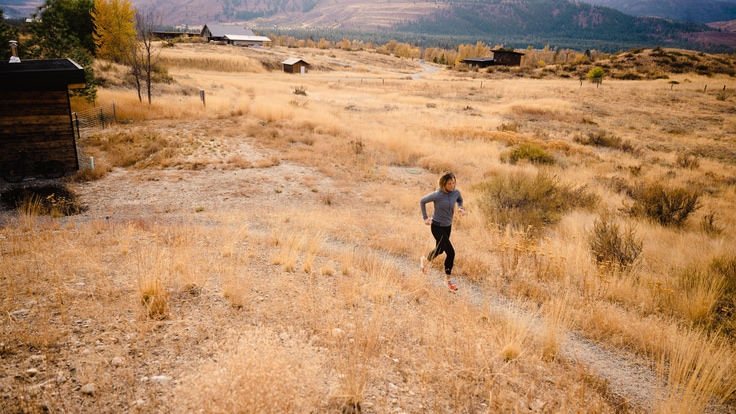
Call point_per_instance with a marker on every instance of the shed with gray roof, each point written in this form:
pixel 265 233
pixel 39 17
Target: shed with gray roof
pixel 295 65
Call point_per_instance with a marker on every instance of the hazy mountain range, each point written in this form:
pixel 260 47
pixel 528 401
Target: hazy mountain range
pixel 610 23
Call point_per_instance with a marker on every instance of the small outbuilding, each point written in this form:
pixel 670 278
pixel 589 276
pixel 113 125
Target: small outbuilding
pixel 295 65
pixel 35 113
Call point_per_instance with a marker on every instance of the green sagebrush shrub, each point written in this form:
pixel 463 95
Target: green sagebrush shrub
pixel 531 152
pixel 536 201
pixel 612 244
pixel 668 206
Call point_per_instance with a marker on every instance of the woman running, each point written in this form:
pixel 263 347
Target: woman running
pixel 444 200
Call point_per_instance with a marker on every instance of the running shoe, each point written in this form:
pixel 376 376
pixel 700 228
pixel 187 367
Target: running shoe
pixel 451 285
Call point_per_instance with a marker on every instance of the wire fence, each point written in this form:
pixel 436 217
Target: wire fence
pixel 90 120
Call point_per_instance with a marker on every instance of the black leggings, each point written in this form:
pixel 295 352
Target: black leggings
pixel 442 237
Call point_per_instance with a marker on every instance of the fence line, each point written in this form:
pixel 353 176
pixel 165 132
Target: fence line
pixel 92 119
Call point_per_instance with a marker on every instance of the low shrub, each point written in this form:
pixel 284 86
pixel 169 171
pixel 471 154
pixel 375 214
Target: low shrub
pixel 688 160
pixel 666 206
pixel 612 244
pixel 709 226
pixel 531 201
pixel 600 139
pixel 133 148
pixel 54 200
pixel 531 152
pixel 91 174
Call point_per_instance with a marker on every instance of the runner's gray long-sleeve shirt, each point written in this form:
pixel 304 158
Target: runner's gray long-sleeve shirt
pixel 444 206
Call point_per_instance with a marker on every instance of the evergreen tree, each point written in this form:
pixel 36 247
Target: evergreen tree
pixel 63 29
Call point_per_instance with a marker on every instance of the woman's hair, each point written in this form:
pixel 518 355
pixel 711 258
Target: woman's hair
pixel 445 178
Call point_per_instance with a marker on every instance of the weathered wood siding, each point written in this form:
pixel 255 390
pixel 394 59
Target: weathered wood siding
pixel 507 58
pixel 296 67
pixel 38 122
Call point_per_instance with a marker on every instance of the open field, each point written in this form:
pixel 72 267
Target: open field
pixel 258 252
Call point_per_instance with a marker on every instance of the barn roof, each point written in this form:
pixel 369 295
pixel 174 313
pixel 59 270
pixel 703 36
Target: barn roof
pixel 222 30
pixel 247 38
pixel 292 61
pixel 39 74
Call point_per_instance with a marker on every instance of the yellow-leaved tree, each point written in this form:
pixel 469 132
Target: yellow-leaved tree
pixel 114 22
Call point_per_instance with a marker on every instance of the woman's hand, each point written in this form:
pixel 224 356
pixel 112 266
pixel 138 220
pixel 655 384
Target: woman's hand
pixel 428 221
pixel 461 211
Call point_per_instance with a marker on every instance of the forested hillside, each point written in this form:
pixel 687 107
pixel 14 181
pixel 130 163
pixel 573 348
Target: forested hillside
pixel 702 11
pixel 559 22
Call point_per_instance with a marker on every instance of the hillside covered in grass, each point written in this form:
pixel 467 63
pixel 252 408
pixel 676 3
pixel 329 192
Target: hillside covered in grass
pixel 259 251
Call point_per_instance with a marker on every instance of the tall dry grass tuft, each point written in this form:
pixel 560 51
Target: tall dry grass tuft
pixel 289 244
pixel 154 282
pixel 696 293
pixel 312 246
pixel 30 208
pixel 347 259
pixel 515 332
pixel 698 369
pixel 558 317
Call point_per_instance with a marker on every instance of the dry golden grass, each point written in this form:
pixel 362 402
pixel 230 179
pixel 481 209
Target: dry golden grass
pixel 258 244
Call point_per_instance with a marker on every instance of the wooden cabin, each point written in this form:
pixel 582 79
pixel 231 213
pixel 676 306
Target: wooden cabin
pixel 295 65
pixel 35 113
pixel 507 58
pixel 500 58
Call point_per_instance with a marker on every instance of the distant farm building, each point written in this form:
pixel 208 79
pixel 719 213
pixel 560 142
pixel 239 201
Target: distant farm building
pixel 232 35
pixel 295 65
pixel 500 58
pixel 164 35
pixel 237 40
pixel 35 114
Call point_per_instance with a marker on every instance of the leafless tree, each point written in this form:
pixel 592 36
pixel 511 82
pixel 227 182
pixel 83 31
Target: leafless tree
pixel 143 54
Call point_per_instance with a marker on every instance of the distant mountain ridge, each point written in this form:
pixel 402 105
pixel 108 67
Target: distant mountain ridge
pixel 562 23
pixel 689 11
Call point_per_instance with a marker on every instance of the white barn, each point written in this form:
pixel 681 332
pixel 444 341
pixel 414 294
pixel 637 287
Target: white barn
pixel 232 35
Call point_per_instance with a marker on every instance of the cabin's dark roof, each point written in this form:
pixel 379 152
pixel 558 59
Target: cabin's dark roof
pixel 40 74
pixel 508 52
pixel 478 60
